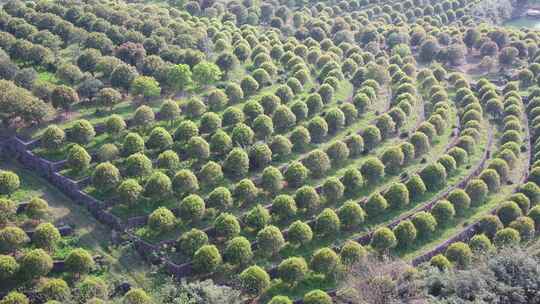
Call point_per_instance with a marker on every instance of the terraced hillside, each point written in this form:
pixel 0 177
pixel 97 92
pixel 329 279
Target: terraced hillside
pixel 258 151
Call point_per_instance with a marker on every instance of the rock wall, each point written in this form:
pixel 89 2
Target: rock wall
pixel 16 148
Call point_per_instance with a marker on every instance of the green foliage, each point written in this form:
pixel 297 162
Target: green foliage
pixel 324 261
pixel 192 208
pixel 416 187
pixel 317 162
pixel 459 254
pixel 383 239
pixel 292 270
pixel 143 117
pixel 434 176
pixel 53 138
pixel 133 143
pixel 105 177
pixel 372 170
pixel 327 223
pixel 137 165
pixel 185 182
pixel 15 298
pixel 115 124
pixel 161 220
pixel 211 173
pixel 56 289
pixel 220 198
pixel 508 211
pixel 477 190
pixel 405 233
pixel 168 160
pixel 254 280
pixel 63 97
pixel 375 205
pixel 441 262
pixel 12 238
pixel 226 225
pixel 129 191
pixel 525 226
pixel 443 212
pixel 36 263
pixel 425 224
pixel 317 297
pixel 108 98
pixel 351 253
pixel 332 189
pixel 460 200
pixel 283 207
pixel 159 139
pixel 8 267
pixel 207 259
pixel 9 182
pixel 178 76
pixel 91 289
pixel 107 153
pixel 295 174
pixel 280 300
pixel 270 240
pixel 78 159
pixel 351 215
pixel 81 132
pixel 191 241
pixel 46 236
pixel 236 164
pixel 136 296
pixel 397 195
pixel 507 237
pixel 480 243
pixel 206 73
pixel 238 251
pixel 245 191
pixel 8 210
pixel 257 218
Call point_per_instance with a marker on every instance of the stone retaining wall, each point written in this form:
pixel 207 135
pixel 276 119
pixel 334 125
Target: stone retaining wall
pixel 20 150
pixel 64 231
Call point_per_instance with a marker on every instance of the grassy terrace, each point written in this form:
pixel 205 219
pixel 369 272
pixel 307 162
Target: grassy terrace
pixel 474 213
pixel 438 147
pixel 340 135
pixel 372 224
pixel 119 262
pixel 317 281
pixel 440 71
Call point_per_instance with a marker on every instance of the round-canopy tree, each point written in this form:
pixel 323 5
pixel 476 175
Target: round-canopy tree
pixel 207 259
pixel 292 270
pixel 459 254
pixel 79 261
pixel 383 239
pixel 254 280
pixel 238 251
pixel 270 240
pixel 9 182
pixel 227 226
pixel 191 241
pixel 105 177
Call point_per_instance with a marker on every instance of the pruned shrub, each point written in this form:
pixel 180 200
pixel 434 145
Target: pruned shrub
pixel 292 270
pixel 383 239
pixel 459 254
